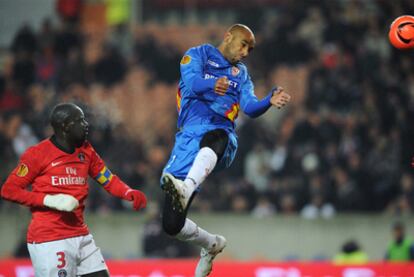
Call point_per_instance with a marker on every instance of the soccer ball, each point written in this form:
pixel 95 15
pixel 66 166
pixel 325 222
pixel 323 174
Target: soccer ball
pixel 401 34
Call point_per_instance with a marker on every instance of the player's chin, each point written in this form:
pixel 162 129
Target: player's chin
pixel 79 142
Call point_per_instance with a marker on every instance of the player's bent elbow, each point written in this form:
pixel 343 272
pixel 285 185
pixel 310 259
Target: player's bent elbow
pixel 7 192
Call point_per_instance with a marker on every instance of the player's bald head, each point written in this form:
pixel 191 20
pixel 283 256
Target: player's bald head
pixel 240 29
pixel 62 113
pixel 238 41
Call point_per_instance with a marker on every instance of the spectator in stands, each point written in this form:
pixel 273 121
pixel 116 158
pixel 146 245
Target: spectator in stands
pixel 352 112
pixel 401 248
pixel 351 254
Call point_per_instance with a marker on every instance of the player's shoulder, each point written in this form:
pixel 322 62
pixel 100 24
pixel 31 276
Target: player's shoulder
pixel 205 46
pixel 201 49
pixel 242 66
pixel 243 69
pixel 87 147
pixel 40 147
pixel 37 151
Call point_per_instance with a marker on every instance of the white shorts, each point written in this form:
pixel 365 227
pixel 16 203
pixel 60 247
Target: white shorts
pixel 66 258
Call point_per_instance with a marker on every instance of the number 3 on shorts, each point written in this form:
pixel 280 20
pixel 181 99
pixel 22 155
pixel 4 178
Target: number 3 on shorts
pixel 61 259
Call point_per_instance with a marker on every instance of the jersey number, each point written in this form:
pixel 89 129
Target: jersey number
pixel 61 259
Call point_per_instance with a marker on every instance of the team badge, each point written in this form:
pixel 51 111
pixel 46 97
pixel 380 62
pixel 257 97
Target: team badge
pixel 185 60
pixel 235 71
pixel 81 156
pixel 22 170
pixel 62 273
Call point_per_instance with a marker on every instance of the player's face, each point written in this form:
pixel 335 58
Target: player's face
pixel 239 46
pixel 77 128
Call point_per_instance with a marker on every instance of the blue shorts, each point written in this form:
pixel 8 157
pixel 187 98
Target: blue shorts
pixel 187 145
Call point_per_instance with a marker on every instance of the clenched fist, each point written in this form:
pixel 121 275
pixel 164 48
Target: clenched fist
pixel 280 98
pixel 222 85
pixel 139 201
pixel 61 202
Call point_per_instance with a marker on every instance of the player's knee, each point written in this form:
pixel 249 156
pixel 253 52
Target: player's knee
pixel 216 140
pixel 172 225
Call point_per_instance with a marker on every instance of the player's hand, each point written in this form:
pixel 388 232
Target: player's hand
pixel 221 86
pixel 280 98
pixel 61 202
pixel 138 198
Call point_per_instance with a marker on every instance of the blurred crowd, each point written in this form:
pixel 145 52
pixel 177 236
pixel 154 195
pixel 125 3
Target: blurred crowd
pixel 344 145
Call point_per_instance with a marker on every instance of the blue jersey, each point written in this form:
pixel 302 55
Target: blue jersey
pixel 198 104
pixel 200 109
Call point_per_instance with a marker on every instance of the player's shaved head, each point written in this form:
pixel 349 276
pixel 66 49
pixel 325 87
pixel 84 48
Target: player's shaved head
pixel 238 41
pixel 62 113
pixel 240 28
pixel 69 125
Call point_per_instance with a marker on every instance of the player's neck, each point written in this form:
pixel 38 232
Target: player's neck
pixel 221 49
pixel 62 144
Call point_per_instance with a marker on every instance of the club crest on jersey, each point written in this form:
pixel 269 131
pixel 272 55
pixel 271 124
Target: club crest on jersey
pixel 235 71
pixel 185 60
pixel 62 273
pixel 22 170
pixel 81 156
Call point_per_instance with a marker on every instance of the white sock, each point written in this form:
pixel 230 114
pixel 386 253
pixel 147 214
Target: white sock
pixel 204 163
pixel 194 234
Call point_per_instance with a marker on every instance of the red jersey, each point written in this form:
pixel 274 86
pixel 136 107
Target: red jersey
pixel 52 171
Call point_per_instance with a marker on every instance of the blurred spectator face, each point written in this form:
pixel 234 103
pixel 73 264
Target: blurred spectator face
pixel 288 204
pixel 13 125
pixel 407 183
pixel 398 232
pixel 316 183
pixel 157 156
pixel 340 176
pixel 354 161
pixel 239 204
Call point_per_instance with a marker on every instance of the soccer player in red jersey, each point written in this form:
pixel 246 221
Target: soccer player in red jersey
pixel 58 239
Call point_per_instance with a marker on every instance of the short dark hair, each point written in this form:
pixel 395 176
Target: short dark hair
pixel 60 113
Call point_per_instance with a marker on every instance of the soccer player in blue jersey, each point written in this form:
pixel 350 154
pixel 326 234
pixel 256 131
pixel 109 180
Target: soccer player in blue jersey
pixel 214 86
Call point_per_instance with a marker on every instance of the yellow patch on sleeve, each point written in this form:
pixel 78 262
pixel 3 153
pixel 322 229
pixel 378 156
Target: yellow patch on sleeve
pixel 104 176
pixel 22 170
pixel 185 60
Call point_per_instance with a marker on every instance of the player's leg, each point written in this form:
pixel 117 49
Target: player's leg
pixel 51 259
pixel 207 255
pixel 211 148
pixel 90 260
pixel 175 223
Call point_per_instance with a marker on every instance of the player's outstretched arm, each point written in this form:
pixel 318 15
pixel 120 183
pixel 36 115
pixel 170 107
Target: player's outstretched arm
pixel 253 107
pixel 119 189
pixel 14 190
pixel 114 185
pixel 280 98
